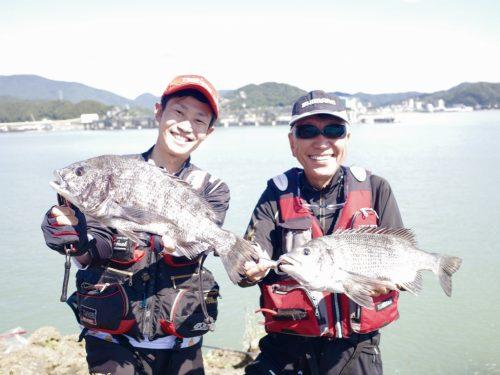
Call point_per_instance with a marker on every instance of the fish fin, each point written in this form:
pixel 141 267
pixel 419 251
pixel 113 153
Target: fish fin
pixel 402 233
pixel 415 286
pixel 359 288
pixel 358 293
pixel 234 260
pixel 191 249
pixel 448 265
pixel 133 237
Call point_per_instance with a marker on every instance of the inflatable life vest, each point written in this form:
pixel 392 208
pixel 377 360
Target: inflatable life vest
pixel 290 308
pixel 138 293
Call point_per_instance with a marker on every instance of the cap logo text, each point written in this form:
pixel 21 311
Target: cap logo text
pixel 319 101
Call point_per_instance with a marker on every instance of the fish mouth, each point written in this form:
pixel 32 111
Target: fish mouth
pixel 57 184
pixel 288 259
pixel 60 187
pixel 286 264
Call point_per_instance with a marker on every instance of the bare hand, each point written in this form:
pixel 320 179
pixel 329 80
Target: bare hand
pixel 379 291
pixel 168 244
pixel 257 271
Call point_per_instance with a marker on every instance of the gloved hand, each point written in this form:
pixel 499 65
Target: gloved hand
pixel 64 225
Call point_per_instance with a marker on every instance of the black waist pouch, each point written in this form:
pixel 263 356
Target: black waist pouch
pixel 185 311
pixel 101 303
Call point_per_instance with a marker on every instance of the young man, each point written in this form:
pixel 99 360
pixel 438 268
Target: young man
pixel 158 330
pixel 316 332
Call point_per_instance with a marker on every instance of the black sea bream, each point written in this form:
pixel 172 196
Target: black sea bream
pixel 132 196
pixel 356 262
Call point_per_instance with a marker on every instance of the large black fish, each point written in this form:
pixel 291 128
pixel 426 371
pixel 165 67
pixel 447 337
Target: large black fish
pixel 133 196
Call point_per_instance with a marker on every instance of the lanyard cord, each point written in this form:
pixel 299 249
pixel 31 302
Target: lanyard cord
pixel 339 200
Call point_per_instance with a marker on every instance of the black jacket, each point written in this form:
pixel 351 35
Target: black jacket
pixel 150 289
pixel 263 227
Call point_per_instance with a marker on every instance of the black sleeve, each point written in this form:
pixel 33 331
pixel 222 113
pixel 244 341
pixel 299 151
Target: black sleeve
pixel 217 195
pixel 384 203
pixel 262 227
pixel 101 247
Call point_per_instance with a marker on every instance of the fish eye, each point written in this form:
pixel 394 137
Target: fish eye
pixel 306 251
pixel 79 171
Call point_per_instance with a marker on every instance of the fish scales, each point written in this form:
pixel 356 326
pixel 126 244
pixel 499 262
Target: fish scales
pixel 360 262
pixel 131 196
pixel 373 255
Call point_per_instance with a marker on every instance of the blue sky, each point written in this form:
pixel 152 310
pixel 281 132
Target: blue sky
pixel 132 47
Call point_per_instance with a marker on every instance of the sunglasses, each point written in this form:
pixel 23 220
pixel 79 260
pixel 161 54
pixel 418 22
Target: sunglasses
pixel 332 131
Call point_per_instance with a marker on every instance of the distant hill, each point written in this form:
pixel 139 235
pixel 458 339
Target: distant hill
pixel 32 87
pixel 380 100
pixel 224 93
pixel 269 94
pixel 22 96
pixel 147 101
pixel 14 110
pixel 479 94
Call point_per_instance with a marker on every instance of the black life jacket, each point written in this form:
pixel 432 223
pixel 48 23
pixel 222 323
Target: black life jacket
pixel 141 293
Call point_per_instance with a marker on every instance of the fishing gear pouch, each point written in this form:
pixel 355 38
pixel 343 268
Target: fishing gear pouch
pixel 125 252
pixel 385 311
pixel 289 308
pixel 185 311
pixel 101 303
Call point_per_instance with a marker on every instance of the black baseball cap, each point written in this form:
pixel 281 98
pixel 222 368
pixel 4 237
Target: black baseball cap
pixel 318 102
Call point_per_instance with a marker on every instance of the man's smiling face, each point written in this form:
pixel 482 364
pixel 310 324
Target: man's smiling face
pixel 183 125
pixel 319 156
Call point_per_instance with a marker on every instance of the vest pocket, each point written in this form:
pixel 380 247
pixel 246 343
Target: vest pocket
pixel 290 310
pixel 182 310
pixel 101 303
pixel 125 252
pixel 186 320
pixel 386 311
pixel 105 308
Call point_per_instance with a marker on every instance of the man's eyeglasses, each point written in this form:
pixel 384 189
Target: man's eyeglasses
pixel 308 131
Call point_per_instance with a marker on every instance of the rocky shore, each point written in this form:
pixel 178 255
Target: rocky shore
pixel 48 352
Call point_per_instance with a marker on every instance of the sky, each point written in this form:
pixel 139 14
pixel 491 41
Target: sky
pixel 133 47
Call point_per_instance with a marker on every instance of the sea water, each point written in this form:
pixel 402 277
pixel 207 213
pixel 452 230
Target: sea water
pixel 443 169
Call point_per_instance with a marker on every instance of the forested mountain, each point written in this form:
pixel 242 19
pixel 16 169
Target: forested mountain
pixel 24 97
pixel 14 110
pixel 32 87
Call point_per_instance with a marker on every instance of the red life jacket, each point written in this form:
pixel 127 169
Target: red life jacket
pixel 289 307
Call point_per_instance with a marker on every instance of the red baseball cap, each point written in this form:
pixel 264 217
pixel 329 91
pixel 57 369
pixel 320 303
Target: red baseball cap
pixel 199 83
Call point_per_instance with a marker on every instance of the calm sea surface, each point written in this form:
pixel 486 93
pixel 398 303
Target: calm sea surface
pixel 443 168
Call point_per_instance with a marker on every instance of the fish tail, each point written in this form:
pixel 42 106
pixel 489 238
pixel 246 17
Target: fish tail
pixel 448 265
pixel 234 259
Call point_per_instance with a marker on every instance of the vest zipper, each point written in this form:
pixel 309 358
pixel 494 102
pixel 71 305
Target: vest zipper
pixel 322 213
pixel 148 301
pixel 338 326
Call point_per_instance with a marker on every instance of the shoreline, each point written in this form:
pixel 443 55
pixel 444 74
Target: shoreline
pixel 69 125
pixel 46 352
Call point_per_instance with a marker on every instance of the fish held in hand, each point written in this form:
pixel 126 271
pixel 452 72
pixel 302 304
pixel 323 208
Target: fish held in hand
pixel 133 196
pixel 359 262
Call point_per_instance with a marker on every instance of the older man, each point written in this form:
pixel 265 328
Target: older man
pixel 316 332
